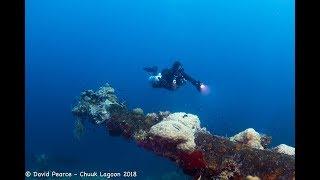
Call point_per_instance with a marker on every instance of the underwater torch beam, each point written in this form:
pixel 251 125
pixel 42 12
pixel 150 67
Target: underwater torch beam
pixel 214 156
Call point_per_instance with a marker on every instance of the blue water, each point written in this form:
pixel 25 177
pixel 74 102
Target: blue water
pixel 244 50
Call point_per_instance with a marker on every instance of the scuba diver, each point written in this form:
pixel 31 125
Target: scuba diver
pixel 172 78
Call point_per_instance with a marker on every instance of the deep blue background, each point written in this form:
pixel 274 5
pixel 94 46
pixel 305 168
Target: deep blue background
pixel 244 50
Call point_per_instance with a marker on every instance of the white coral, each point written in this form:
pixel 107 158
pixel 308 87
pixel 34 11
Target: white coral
pixel 189 120
pixel 152 115
pixel 252 178
pixel 285 149
pixel 138 111
pixel 249 137
pixel 178 127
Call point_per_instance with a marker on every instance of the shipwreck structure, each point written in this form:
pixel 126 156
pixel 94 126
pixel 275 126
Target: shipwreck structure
pixel 180 138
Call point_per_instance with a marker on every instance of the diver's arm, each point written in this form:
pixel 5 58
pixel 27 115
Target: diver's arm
pixel 194 82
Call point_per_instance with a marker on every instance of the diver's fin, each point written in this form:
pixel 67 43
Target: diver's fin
pixel 152 70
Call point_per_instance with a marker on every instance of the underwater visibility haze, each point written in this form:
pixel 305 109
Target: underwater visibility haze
pixel 243 50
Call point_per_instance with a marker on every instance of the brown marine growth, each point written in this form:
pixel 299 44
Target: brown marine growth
pixel 214 157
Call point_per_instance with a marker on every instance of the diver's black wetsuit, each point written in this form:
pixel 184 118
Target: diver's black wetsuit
pixel 175 73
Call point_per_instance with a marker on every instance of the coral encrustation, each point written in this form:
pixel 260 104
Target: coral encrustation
pixel 180 138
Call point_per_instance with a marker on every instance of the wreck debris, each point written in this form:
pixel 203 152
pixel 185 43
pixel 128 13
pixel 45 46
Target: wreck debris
pixel 96 105
pixel 180 138
pixel 246 160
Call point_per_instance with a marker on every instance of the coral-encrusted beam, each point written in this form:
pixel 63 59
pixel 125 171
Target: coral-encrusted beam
pixel 180 138
pixel 236 161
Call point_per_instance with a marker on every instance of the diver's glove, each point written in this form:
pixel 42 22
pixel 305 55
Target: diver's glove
pixel 198 85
